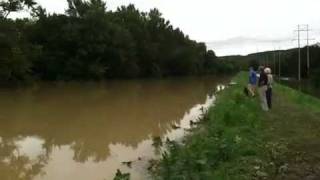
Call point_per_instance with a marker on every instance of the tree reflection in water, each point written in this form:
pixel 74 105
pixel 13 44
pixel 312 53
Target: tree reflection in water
pixel 90 128
pixel 15 164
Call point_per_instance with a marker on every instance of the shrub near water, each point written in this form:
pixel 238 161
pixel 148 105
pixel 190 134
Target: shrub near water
pixel 226 146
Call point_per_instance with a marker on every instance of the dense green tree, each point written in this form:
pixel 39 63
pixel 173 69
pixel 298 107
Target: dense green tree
pixel 14 51
pixel 91 42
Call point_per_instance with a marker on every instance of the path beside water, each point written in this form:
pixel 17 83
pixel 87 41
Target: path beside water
pixel 237 140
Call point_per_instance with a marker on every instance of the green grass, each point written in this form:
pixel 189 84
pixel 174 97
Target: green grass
pixel 237 140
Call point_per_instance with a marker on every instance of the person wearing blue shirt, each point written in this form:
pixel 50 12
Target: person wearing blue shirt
pixel 252 81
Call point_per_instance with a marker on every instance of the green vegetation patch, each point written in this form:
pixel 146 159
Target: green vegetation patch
pixel 237 140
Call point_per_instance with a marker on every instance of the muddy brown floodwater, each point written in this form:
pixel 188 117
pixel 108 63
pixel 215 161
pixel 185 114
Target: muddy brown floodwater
pixel 56 131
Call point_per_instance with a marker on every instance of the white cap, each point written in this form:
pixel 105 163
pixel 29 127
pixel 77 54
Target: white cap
pixel 267 70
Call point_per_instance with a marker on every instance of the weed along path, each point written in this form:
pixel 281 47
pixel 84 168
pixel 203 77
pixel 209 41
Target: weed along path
pixel 237 140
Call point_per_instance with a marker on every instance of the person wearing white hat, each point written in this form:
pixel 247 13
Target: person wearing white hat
pixel 269 85
pixel 263 87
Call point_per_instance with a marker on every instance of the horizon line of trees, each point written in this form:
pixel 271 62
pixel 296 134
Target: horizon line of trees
pixel 91 42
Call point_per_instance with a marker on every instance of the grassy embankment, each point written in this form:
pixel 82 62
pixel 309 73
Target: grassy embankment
pixel 237 140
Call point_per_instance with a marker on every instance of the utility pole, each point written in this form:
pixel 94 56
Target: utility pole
pixel 308 53
pixel 299 49
pixel 274 61
pixel 308 50
pixel 299 61
pixel 299 52
pixel 279 64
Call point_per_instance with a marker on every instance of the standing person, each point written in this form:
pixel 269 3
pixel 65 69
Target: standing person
pixel 262 84
pixel 252 81
pixel 269 90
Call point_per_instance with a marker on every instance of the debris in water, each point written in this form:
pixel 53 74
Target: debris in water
pixel 202 108
pixel 153 164
pixel 121 176
pixel 128 163
pixel 194 123
pixel 169 142
pixel 157 141
pixel 174 126
pixel 188 129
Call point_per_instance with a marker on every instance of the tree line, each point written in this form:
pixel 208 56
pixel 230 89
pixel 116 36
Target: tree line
pixel 90 42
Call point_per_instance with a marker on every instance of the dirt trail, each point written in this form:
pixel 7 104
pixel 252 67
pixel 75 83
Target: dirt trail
pixel 296 128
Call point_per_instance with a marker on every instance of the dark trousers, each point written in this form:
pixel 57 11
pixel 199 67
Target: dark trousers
pixel 269 97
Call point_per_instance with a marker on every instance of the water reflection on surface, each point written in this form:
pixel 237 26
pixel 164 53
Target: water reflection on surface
pixel 86 130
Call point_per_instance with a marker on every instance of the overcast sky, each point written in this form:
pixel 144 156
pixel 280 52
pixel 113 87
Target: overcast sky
pixel 230 26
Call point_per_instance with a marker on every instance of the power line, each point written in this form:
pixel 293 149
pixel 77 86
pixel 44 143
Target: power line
pixel 308 53
pixel 279 54
pixel 274 60
pixel 307 30
pixel 308 50
pixel 299 53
